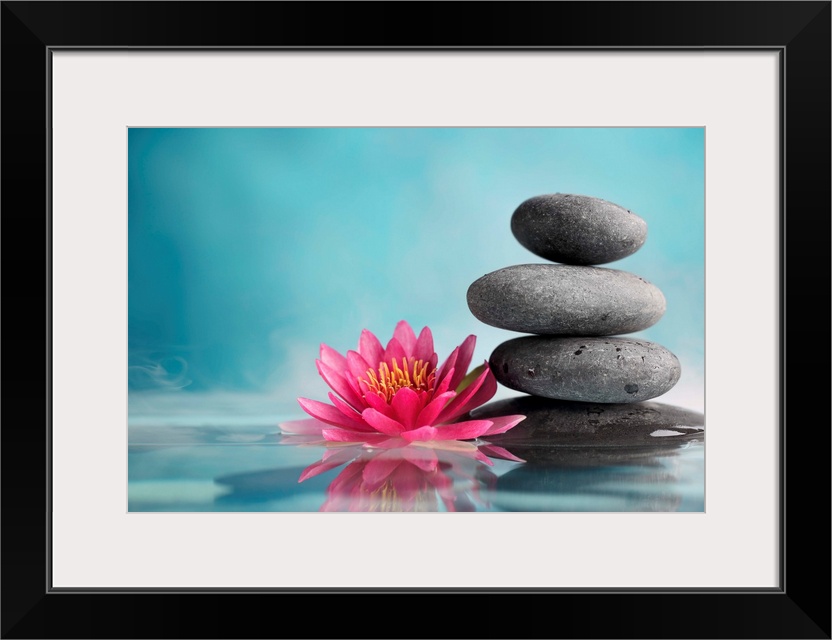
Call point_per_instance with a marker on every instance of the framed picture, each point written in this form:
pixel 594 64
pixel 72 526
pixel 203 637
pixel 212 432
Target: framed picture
pixel 105 103
pixel 227 412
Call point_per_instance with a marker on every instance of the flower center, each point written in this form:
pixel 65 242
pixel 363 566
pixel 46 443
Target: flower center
pixel 411 373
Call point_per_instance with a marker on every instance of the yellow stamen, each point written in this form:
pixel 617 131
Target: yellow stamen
pixel 408 372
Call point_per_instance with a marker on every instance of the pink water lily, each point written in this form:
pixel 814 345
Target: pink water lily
pixel 398 391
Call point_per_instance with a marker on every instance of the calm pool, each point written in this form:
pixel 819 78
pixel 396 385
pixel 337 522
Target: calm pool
pixel 219 461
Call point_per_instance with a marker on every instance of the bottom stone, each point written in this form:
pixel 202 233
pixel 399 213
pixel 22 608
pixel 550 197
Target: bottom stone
pixel 607 369
pixel 565 423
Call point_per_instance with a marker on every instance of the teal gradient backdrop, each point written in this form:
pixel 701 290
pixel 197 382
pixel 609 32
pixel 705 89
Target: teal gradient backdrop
pixel 249 247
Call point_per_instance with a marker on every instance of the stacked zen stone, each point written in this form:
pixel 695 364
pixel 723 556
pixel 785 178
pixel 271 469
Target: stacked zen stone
pixel 577 311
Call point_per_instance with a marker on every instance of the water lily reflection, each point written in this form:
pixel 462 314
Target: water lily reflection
pixel 397 475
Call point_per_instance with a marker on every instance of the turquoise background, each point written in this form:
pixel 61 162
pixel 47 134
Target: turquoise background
pixel 249 247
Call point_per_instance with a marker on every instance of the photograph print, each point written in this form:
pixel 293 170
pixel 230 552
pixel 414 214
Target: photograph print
pixel 416 319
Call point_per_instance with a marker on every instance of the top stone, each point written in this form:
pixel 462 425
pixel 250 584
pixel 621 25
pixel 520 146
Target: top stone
pixel 578 230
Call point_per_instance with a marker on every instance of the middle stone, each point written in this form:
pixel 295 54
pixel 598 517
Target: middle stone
pixel 558 299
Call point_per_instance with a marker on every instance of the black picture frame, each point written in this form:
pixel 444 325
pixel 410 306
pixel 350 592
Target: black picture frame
pixel 799 608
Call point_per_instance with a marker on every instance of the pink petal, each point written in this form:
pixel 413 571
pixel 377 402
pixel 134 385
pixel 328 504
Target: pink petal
pixel 347 435
pixel 306 426
pixel 427 416
pixel 330 462
pixel 406 405
pixel 482 395
pixel 503 424
pixel 381 441
pixel 332 358
pixel 483 458
pixel 448 366
pixel 377 470
pixel 352 383
pixel 346 409
pixel 445 383
pixel 329 414
pixel 375 401
pixel 498 452
pixel 347 479
pixel 370 348
pixel 463 359
pixel 457 431
pixel 405 336
pixel 472 375
pixel 466 449
pixel 424 346
pixel 382 423
pixel 424 458
pixel 411 488
pixel 338 383
pixel 420 434
pixel 462 430
pixel 394 351
pixel 386 442
pixel 338 451
pixel 464 401
pixel 364 390
pixel 357 365
pixel 313 470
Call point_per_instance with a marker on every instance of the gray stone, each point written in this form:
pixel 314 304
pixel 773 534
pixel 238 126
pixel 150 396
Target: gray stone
pixel 575 229
pixel 583 369
pixel 558 299
pixel 552 424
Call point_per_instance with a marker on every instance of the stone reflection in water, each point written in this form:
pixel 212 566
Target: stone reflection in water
pixel 595 479
pixel 397 476
pixel 591 457
pixel 560 422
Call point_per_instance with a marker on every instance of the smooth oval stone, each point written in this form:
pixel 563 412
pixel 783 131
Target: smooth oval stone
pixel 606 370
pixel 575 229
pixel 559 299
pixel 553 424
